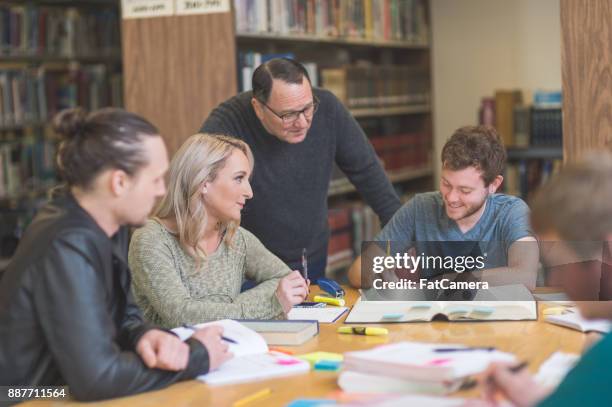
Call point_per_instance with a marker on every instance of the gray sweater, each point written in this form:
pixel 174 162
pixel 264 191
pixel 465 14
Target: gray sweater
pixel 172 291
pixel 288 211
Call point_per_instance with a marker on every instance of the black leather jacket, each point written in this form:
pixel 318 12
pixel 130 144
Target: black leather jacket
pixel 67 315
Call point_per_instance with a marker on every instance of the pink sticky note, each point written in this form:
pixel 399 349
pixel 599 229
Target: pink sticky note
pixel 287 361
pixel 438 361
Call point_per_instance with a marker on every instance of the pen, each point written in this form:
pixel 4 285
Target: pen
pixel 225 338
pixel 362 330
pixel 483 348
pixel 304 264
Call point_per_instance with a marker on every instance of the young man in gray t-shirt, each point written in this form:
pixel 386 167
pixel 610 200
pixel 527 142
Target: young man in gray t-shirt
pixel 467 209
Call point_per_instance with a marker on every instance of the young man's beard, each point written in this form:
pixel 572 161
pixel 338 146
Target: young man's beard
pixel 471 210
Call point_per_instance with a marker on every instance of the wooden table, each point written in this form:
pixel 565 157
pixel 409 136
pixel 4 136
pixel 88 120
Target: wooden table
pixel 533 341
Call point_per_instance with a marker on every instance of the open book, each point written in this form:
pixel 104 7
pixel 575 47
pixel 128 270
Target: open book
pixel 484 307
pixel 252 359
pixel 415 367
pixel 572 319
pixel 413 311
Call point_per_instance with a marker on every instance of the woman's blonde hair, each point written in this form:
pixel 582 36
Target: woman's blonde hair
pixel 197 161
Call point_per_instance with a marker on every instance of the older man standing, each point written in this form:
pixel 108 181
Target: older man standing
pixel 296 134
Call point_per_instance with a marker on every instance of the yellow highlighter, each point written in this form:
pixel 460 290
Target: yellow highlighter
pixel 362 330
pixel 338 302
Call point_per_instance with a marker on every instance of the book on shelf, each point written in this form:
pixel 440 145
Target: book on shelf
pixel 523 125
pixel 340 246
pixel 376 86
pixel 34 95
pixel 546 126
pixel 374 20
pixel 523 177
pixel 26 162
pixel 402 151
pixel 60 31
pixel 248 61
pixel 505 102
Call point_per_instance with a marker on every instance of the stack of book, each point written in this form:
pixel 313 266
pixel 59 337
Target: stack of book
pixel 402 151
pixel 524 125
pixel 412 367
pixel 376 20
pixel 34 95
pixel 248 61
pixel 26 162
pixel 378 85
pixel 31 30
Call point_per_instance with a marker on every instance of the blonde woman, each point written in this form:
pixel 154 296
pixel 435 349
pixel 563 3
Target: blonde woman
pixel 190 260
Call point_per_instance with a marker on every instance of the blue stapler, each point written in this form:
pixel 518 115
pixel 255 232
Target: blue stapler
pixel 331 287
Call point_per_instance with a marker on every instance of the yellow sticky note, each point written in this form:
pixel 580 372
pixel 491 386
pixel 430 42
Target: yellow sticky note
pixel 314 357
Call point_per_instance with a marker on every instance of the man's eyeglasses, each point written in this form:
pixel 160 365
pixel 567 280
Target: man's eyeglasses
pixel 291 117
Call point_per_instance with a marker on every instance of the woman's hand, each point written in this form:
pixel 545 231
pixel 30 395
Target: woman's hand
pixel 291 290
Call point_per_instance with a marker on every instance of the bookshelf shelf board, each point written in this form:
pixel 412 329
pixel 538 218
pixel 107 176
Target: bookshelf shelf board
pixel 390 111
pixel 113 57
pixel 525 153
pixel 19 126
pixel 331 40
pixel 343 185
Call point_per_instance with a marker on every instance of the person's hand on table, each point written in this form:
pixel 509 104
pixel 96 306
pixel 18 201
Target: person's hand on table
pixel 292 290
pixel 162 350
pixel 519 388
pixel 218 349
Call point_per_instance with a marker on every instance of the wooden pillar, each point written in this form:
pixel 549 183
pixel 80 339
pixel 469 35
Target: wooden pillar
pixel 586 30
pixel 177 69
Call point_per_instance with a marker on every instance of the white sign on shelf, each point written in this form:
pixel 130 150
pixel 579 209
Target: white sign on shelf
pixel 186 7
pixel 146 8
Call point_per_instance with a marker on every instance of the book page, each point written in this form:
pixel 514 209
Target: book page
pixel 248 341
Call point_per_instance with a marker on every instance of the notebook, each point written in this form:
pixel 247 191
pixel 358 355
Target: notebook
pixel 252 360
pixel 324 315
pixel 283 332
pixel 572 319
pixel 426 363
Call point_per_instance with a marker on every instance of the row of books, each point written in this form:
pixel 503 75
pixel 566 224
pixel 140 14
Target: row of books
pixel 377 20
pixel 378 85
pixel 31 95
pixel 524 177
pixel 401 151
pixel 248 61
pixel 350 223
pixel 522 125
pixel 59 31
pixel 26 163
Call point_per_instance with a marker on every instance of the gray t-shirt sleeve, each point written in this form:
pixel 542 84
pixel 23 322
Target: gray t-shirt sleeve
pixel 516 223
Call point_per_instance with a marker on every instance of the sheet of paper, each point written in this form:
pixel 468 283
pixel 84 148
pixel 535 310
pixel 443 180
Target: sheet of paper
pixel 555 368
pixel 253 367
